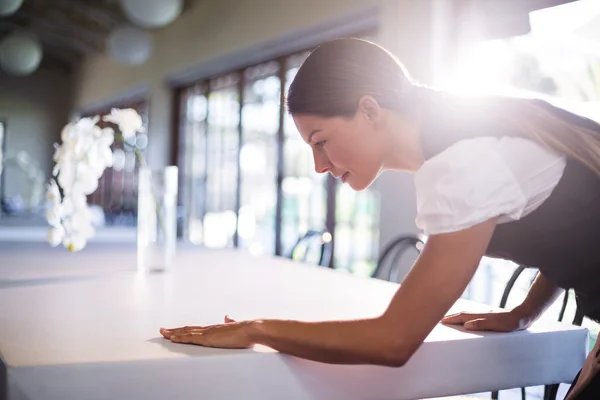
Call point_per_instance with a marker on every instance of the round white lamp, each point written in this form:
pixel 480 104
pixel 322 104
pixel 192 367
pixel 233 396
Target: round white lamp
pixel 20 54
pixel 129 45
pixel 152 13
pixel 8 7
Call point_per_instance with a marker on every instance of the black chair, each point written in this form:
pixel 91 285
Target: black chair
pixel 394 251
pixel 397 248
pixel 313 247
pixel 507 289
pixel 550 391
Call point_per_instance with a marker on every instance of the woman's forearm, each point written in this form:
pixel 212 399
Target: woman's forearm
pixel 335 342
pixel 436 281
pixel 541 295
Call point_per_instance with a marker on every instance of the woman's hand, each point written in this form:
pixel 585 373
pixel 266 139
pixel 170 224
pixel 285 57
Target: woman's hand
pixel 443 270
pixel 541 295
pixel 230 335
pixel 502 321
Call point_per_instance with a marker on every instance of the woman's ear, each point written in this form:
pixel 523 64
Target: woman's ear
pixel 370 108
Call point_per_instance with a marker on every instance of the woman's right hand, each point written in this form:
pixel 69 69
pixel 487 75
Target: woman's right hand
pixel 501 321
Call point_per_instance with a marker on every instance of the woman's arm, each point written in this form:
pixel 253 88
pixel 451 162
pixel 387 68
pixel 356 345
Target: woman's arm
pixel 541 295
pixel 436 281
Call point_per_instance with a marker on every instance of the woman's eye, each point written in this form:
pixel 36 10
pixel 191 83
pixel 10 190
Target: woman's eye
pixel 321 143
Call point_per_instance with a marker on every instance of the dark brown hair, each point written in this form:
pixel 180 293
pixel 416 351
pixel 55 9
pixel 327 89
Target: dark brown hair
pixel 338 73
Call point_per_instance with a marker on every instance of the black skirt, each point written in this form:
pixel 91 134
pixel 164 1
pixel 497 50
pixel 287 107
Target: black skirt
pixel 591 389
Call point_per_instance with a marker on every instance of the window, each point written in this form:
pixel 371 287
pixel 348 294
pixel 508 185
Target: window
pixel 223 118
pixel 304 191
pixel 258 158
pixel 2 155
pixel 249 178
pixel 356 230
pixel 557 61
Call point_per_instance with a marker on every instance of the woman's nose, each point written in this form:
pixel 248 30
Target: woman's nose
pixel 322 164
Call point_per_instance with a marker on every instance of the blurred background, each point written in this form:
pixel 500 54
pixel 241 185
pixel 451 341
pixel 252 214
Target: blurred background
pixel 208 78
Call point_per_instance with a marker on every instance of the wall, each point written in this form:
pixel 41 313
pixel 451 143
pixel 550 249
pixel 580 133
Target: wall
pixel 35 109
pixel 216 28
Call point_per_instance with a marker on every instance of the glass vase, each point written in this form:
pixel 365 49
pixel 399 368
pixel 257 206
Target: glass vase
pixel 157 219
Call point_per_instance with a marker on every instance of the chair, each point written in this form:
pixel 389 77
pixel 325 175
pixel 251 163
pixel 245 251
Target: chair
pixel 394 251
pixel 389 272
pixel 313 245
pixel 550 391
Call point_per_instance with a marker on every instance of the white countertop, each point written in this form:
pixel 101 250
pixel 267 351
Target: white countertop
pixel 85 326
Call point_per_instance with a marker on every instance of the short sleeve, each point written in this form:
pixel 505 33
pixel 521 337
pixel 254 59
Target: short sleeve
pixel 466 184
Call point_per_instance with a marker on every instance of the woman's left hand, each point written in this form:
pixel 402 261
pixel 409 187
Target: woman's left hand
pixel 230 335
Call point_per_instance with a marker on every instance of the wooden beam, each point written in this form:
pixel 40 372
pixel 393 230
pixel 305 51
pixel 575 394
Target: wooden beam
pixel 53 63
pixel 46 35
pixel 80 27
pixel 65 28
pixel 101 14
pixel 50 38
pixel 59 52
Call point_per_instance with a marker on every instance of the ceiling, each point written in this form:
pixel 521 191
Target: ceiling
pixel 68 29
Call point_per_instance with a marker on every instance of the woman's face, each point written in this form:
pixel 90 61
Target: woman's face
pixel 349 148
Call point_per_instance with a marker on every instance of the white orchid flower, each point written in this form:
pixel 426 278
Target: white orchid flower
pixel 52 192
pixel 78 200
pixel 67 207
pixel 100 155
pixel 79 178
pixel 82 222
pixel 66 176
pixel 66 132
pixel 53 216
pixel 81 159
pixel 107 136
pixel 83 125
pixel 74 243
pixel 78 229
pixel 72 151
pixel 59 158
pixel 128 121
pixel 81 142
pixel 78 138
pixel 56 235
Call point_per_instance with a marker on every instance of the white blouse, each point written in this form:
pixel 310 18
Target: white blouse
pixel 481 178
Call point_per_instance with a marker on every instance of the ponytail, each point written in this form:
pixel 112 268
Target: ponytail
pixel 564 133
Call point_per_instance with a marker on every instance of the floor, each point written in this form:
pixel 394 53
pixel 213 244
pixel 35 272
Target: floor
pixel 532 393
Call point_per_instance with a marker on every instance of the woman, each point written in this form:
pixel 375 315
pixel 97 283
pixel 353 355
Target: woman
pixel 511 178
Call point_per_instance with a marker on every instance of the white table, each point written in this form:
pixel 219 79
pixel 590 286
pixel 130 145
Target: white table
pixel 39 234
pixel 82 329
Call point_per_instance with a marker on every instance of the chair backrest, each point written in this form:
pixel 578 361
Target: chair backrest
pixel 313 247
pixel 578 318
pixel 511 283
pixel 388 265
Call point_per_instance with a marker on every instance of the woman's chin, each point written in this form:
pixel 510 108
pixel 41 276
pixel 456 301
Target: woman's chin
pixel 357 184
